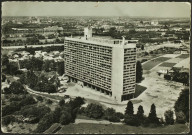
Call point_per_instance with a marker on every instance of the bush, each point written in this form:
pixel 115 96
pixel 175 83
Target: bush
pixel 131 120
pixel 120 115
pixel 114 118
pixel 169 117
pixel 7 120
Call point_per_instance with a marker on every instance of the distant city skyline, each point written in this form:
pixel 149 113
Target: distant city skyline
pixel 130 9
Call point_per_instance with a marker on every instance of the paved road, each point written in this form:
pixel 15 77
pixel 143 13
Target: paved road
pixel 38 93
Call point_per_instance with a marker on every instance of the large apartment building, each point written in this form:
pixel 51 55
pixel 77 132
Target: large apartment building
pixel 108 66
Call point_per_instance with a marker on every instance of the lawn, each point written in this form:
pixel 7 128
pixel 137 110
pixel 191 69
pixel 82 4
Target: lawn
pixel 87 128
pixel 167 64
pixel 183 56
pixel 150 64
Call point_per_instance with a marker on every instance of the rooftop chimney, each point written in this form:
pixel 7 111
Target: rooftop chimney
pixel 87 32
pixel 123 40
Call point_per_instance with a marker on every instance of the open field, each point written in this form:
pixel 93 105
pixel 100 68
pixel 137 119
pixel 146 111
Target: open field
pixel 183 56
pixel 167 64
pixel 87 128
pixel 150 64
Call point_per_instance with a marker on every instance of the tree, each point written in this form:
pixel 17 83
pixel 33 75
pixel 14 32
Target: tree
pixel 29 100
pixel 65 118
pixel 16 88
pixel 36 111
pixel 12 68
pixel 7 90
pixel 39 98
pixel 108 113
pixel 5 60
pixel 180 117
pixel 7 120
pixel 32 79
pixel 142 47
pixel 169 117
pixel 9 109
pixel 182 103
pixel 3 77
pixel 61 102
pixel 47 65
pixel 45 123
pixel 140 112
pixel 50 88
pixel 49 101
pixel 57 114
pixel 77 102
pixel 60 68
pixel 139 72
pixel 94 111
pixel 152 115
pixel 129 109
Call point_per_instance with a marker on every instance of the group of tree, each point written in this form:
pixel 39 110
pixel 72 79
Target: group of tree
pixel 65 113
pixel 15 88
pixel 37 64
pixel 182 77
pixel 17 105
pixel 33 63
pixel 182 107
pixel 40 83
pixel 96 111
pixel 140 119
pixel 48 49
pixel 8 67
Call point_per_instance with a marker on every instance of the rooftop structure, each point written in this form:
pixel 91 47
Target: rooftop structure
pixel 105 65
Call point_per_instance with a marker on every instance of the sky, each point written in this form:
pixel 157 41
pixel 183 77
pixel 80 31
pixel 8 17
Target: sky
pixel 132 9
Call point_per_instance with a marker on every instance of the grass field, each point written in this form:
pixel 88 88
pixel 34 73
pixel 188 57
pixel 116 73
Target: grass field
pixel 183 56
pixel 167 64
pixel 87 128
pixel 150 64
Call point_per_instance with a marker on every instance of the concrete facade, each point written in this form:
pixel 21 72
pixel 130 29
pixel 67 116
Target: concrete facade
pixel 108 67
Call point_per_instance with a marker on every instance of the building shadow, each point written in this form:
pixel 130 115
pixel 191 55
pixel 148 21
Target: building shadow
pixel 138 90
